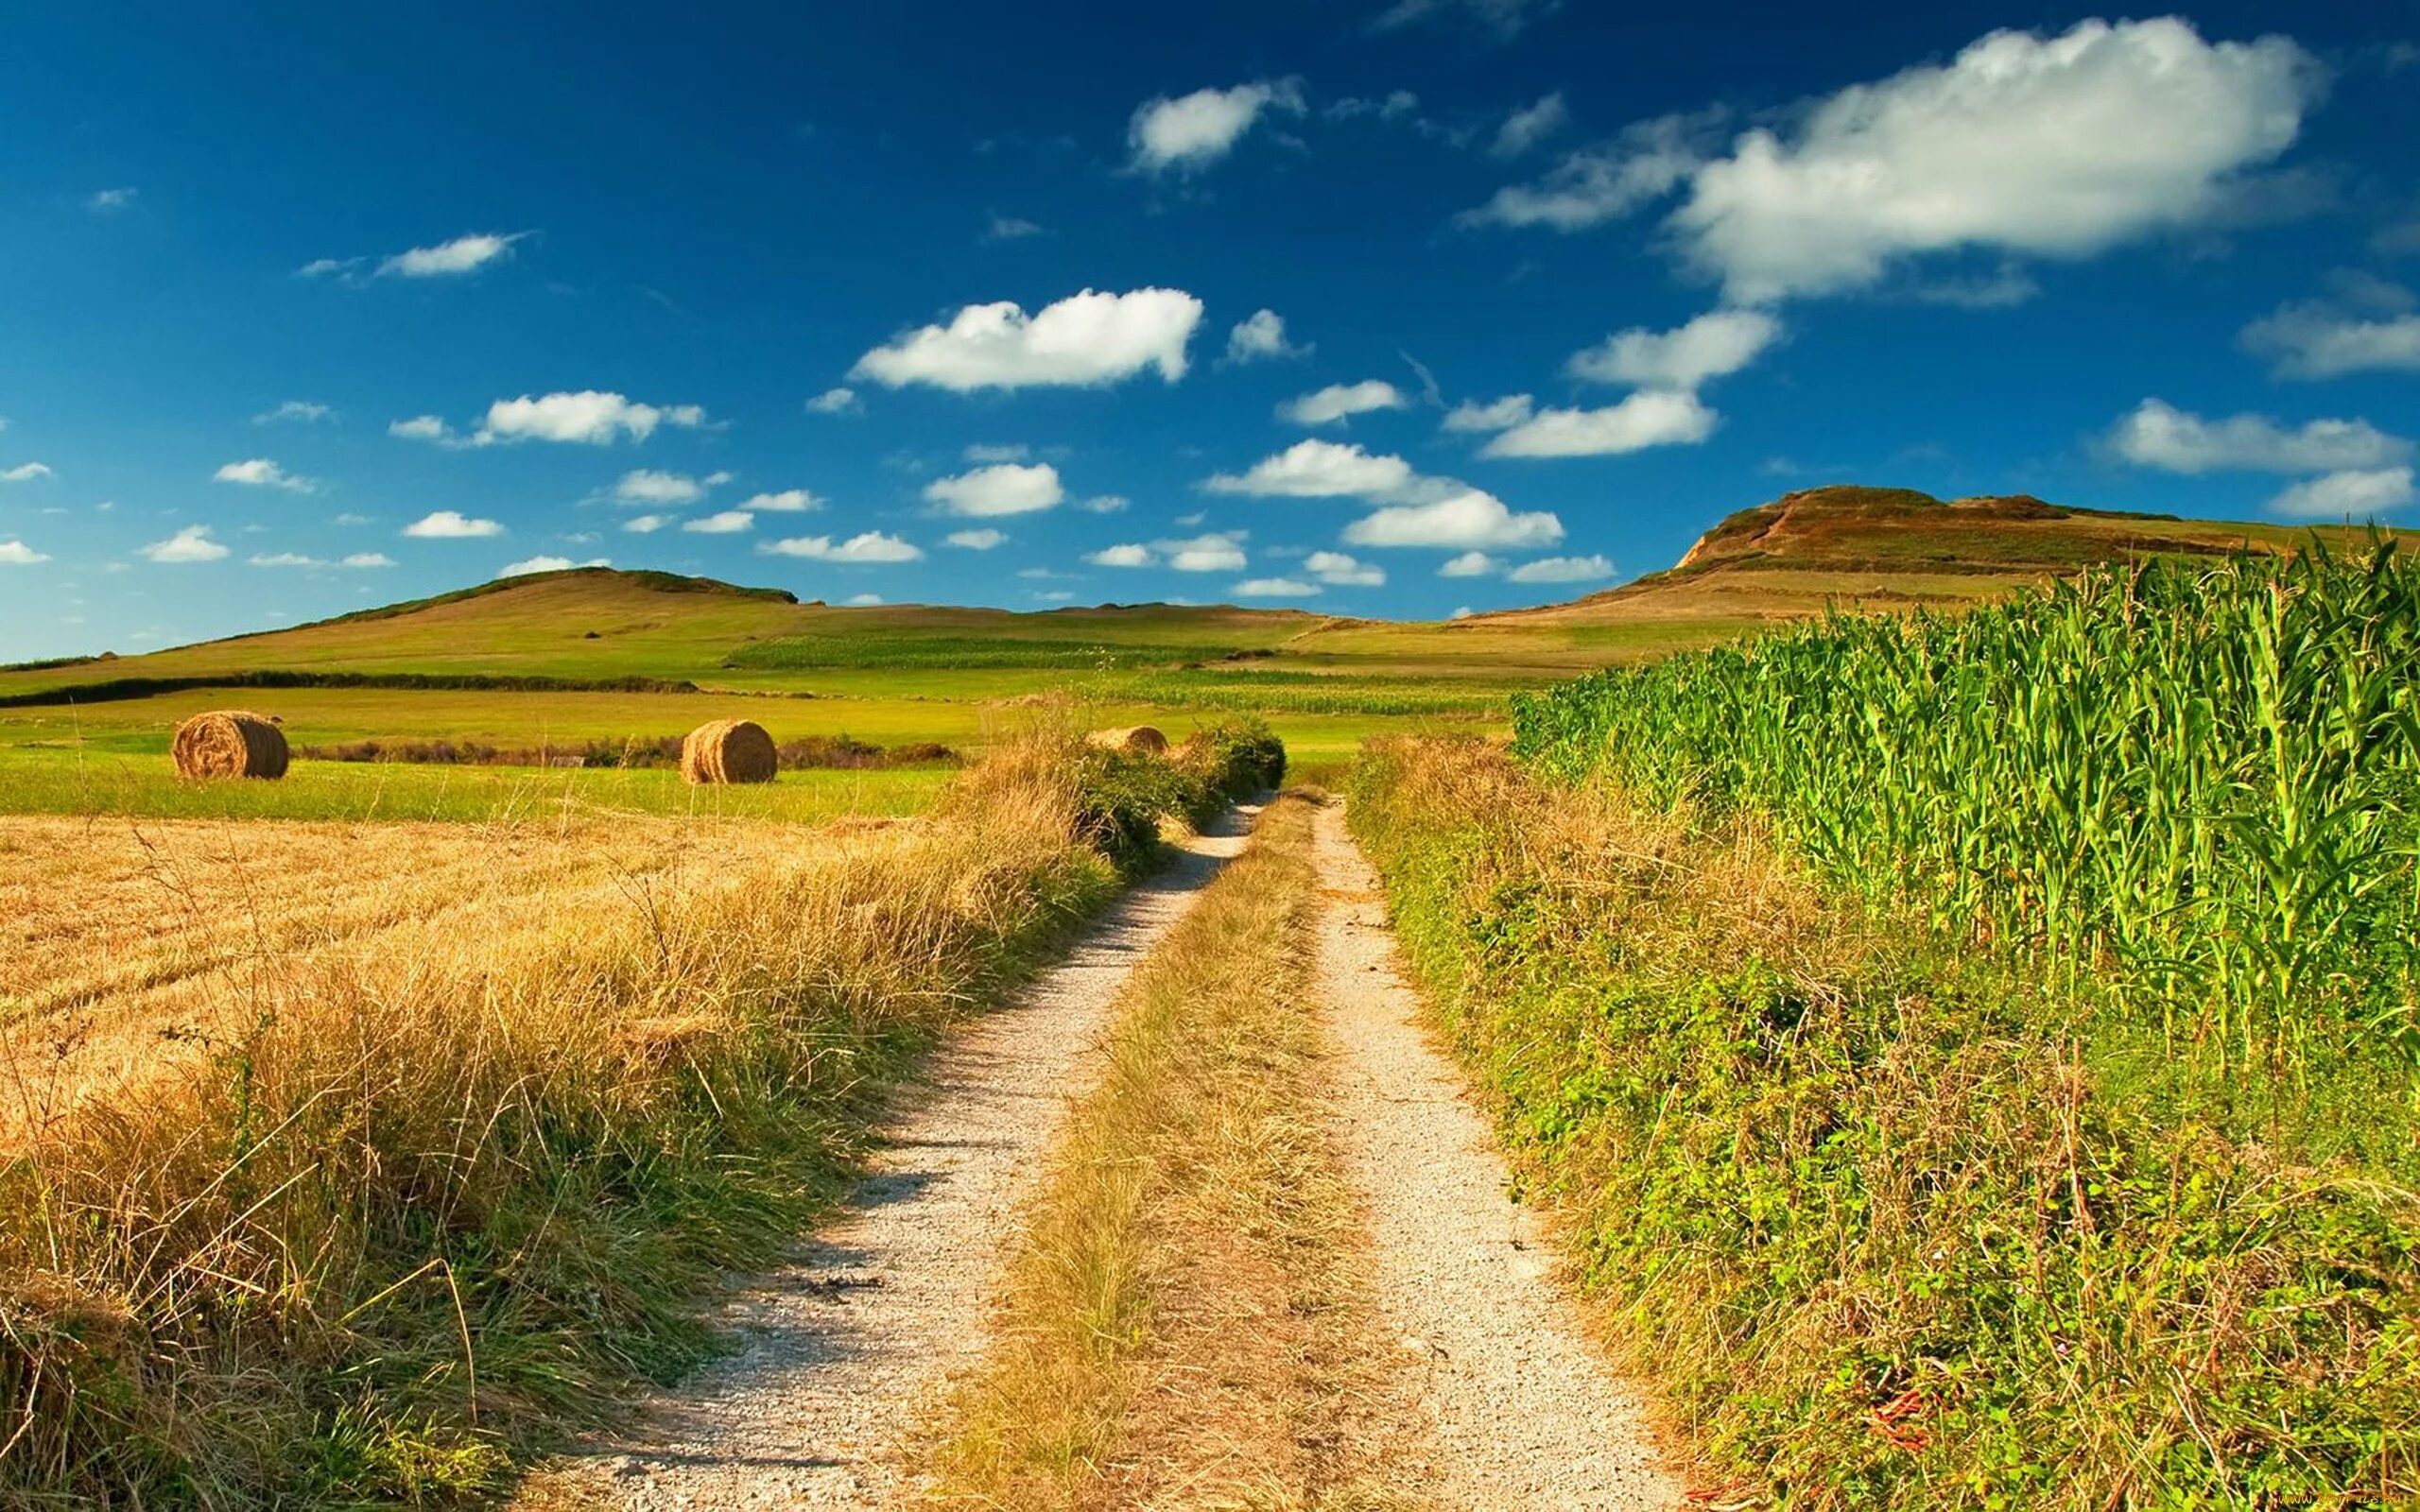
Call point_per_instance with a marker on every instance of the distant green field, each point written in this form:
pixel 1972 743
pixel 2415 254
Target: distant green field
pixel 53 780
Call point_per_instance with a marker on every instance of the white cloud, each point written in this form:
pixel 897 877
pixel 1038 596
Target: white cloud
pixel 302 410
pixel 464 254
pixel 260 472
pixel 726 522
pixel 1104 504
pixel 863 600
pixel 25 473
pixel 1601 184
pixel 2056 147
pixel 1505 18
pixel 421 428
pixel 872 547
pixel 15 553
pixel 2159 434
pixel 983 539
pixel 649 486
pixel 451 525
pixel 1471 564
pixel 2315 339
pixel 1082 340
pixel 2004 290
pixel 285 558
pixel 1470 519
pixel 191 543
pixel 1716 343
pixel 1007 488
pixel 1012 227
pixel 1011 451
pixel 1563 569
pixel 1274 587
pixel 1317 470
pixel 367 559
pixel 1340 401
pixel 588 417
pixel 835 402
pixel 1530 125
pixel 1128 553
pixel 782 501
pixel 2354 495
pixel 1493 415
pixel 1648 418
pixel 1262 336
pixel 646 524
pixel 103 201
pixel 1203 554
pixel 1342 570
pixel 1197 129
pixel 546 564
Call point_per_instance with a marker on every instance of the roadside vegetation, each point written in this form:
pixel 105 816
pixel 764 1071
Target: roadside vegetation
pixel 1180 1323
pixel 1970 1057
pixel 407 1211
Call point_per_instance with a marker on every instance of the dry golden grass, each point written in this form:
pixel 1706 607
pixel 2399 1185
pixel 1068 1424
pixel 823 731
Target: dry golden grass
pixel 1181 1326
pixel 480 1113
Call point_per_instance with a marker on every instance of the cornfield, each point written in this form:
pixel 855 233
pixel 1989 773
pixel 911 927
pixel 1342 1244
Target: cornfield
pixel 2197 780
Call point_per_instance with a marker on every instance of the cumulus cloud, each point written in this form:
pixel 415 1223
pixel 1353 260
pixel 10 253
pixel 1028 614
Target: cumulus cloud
pixel 2159 434
pixel 983 539
pixel 2319 338
pixel 648 524
pixel 14 553
pixel 2053 147
pixel 782 501
pixel 1563 569
pixel 24 472
pixel 1317 470
pixel 1335 567
pixel 1127 554
pixel 547 565
pixel 1530 125
pixel 464 254
pixel 871 548
pixel 835 402
pixel 1274 587
pixel 1474 415
pixel 725 522
pixel 1105 504
pixel 1338 401
pixel 1713 344
pixel 1003 488
pixel 2354 495
pixel 1261 336
pixel 589 417
pixel 301 410
pixel 1471 564
pixel 1651 417
pixel 649 486
pixel 1471 518
pixel 863 601
pixel 367 560
pixel 1203 554
pixel 1589 188
pixel 191 543
pixel 421 428
pixel 451 525
pixel 1194 131
pixel 1083 340
pixel 260 472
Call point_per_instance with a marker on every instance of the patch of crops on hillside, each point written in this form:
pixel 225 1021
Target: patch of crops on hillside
pixel 1299 692
pixel 950 652
pixel 2198 781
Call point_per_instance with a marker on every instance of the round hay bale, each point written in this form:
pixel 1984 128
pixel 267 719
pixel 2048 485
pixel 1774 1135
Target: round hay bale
pixel 229 743
pixel 728 750
pixel 1136 740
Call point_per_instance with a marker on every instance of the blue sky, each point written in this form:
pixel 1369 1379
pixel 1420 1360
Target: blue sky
pixel 1372 308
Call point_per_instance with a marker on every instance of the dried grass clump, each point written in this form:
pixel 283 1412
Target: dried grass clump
pixel 229 743
pixel 728 750
pixel 1137 739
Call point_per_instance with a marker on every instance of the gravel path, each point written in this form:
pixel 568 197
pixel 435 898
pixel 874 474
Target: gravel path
pixel 845 1344
pixel 1524 1412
